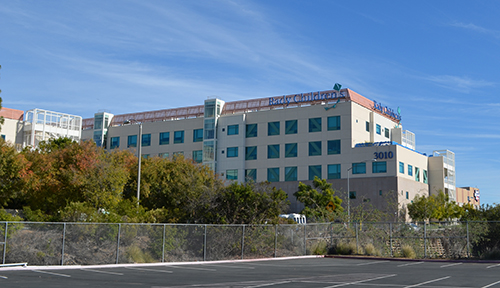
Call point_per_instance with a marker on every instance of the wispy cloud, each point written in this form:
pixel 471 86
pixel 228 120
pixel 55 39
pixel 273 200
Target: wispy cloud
pixel 476 28
pixel 457 83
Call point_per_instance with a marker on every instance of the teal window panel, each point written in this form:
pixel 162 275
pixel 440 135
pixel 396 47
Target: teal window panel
pixel 251 175
pixel 273 151
pixel 359 168
pixel 314 171
pixel 233 129
pixel 115 143
pixel 146 140
pixel 334 171
pixel 197 135
pixel 378 129
pixel 387 131
pixel 352 194
pixel 197 156
pixel 291 127
pixel 273 128
pixel 251 130
pixel 251 153
pixel 132 141
pixel 290 173
pixel 425 177
pixel 410 170
pixel 401 167
pixel 333 123
pixel 379 167
pixel 417 174
pixel 178 137
pixel 232 152
pixel 333 147
pixel 164 138
pixel 315 125
pixel 273 174
pixel 315 148
pixel 367 126
pixel 290 150
pixel 232 174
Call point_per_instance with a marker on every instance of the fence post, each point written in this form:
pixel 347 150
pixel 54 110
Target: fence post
pixel 468 240
pixel 390 239
pixel 5 242
pixel 331 235
pixel 305 244
pixel 275 238
pixel 163 246
pixel 63 241
pixel 356 227
pixel 242 241
pixel 205 244
pixel 118 242
pixel 425 240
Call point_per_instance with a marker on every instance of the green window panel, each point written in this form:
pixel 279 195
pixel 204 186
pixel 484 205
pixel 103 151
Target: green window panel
pixel 251 130
pixel 410 170
pixel 115 143
pixel 232 174
pixel 426 179
pixel 333 147
pixel 290 173
pixel 334 171
pixel 250 175
pixel 197 156
pixel 146 140
pixel 273 128
pixel 251 153
pixel 314 171
pixel 233 129
pixel 178 137
pixel 333 123
pixel 197 135
pixel 232 152
pixel 164 138
pixel 315 125
pixel 378 129
pixel 315 148
pixel 132 141
pixel 387 133
pixel 273 151
pixel 290 150
pixel 367 126
pixel 359 168
pixel 273 174
pixel 379 167
pixel 417 174
pixel 291 127
pixel 402 167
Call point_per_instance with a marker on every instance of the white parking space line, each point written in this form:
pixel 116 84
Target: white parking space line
pixel 152 270
pixel 492 266
pixel 370 263
pixel 4 277
pixel 233 267
pixel 453 264
pixel 51 273
pixel 362 281
pixel 193 268
pixel 427 282
pixel 492 284
pixel 100 271
pixel 268 284
pixel 409 264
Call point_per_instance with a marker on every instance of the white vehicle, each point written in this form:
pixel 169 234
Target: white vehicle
pixel 299 218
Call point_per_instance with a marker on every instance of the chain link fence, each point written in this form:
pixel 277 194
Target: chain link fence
pixel 97 243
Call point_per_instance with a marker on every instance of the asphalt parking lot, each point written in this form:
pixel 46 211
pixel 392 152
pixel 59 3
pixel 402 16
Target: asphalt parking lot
pixel 307 272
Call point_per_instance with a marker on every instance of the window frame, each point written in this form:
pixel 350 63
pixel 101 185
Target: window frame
pixel 315 125
pixel 291 127
pixel 232 152
pixel 179 139
pixel 313 151
pixel 233 129
pixel 273 128
pixel 162 138
pixel 273 151
pixel 333 123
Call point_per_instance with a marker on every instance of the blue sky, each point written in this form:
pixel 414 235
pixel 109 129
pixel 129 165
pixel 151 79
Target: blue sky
pixel 438 61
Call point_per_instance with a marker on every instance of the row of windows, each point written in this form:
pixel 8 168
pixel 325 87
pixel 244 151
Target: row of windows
pixel 378 129
pixel 291 127
pixel 164 139
pixel 412 170
pixel 291 150
pixel 273 174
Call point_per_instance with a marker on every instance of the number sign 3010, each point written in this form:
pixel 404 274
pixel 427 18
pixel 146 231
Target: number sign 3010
pixel 383 155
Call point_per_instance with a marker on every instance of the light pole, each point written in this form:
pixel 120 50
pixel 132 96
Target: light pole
pixel 138 157
pixel 348 197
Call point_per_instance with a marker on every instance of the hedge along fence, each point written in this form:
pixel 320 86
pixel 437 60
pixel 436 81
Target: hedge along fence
pixel 39 243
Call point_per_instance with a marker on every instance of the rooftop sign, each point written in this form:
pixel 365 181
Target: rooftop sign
pixel 305 97
pixel 387 111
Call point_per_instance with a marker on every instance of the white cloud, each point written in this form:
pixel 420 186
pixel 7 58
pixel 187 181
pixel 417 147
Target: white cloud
pixel 476 28
pixel 456 83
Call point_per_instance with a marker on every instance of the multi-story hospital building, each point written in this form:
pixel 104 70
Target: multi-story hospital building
pixel 355 143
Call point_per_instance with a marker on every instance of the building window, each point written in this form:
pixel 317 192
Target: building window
pixel 250 175
pixel 367 126
pixel 163 155
pixel 417 174
pixel 115 142
pixel 232 174
pixel 273 128
pixel 402 167
pixel 379 167
pixel 290 173
pixel 251 153
pixel 291 127
pixel 2 136
pixel 197 135
pixel 314 171
pixel 232 152
pixel 333 123
pixel 407 195
pixel 273 151
pixel 315 125
pixel 410 170
pixel 132 141
pixel 251 130
pixel 273 174
pixel 379 129
pixel 315 148
pixel 178 153
pixel 209 128
pixel 379 192
pixel 359 168
pixel 197 156
pixel 386 133
pixel 334 171
pixel 178 137
pixel 146 140
pixel 164 138
pixel 333 147
pixel 425 177
pixel 352 194
pixel 290 150
pixel 233 129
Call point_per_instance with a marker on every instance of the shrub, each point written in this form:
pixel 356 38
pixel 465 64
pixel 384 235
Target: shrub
pixel 136 255
pixel 371 250
pixel 343 248
pixel 319 248
pixel 408 252
pixel 491 254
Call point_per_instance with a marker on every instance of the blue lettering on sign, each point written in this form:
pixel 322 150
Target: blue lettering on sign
pixel 383 155
pixel 305 97
pixel 386 110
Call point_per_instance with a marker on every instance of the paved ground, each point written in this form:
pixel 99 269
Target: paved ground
pixel 302 272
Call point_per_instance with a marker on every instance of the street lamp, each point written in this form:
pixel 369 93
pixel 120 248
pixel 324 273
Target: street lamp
pixel 129 121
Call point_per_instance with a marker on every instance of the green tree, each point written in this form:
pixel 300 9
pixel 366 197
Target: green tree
pixel 438 207
pixel 320 201
pixel 13 166
pixel 421 208
pixel 1 117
